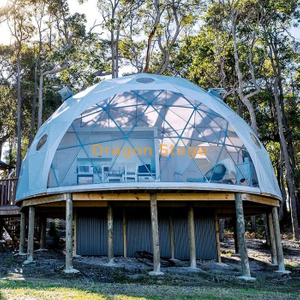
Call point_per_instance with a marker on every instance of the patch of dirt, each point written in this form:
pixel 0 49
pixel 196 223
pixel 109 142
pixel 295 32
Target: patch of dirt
pixel 49 265
pixel 258 250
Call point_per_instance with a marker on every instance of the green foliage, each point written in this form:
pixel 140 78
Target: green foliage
pixel 202 53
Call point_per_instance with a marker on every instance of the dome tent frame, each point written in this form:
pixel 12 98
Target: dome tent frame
pixel 37 164
pixel 202 201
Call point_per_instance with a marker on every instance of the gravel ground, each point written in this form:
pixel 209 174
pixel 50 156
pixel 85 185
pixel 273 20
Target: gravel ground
pixel 49 265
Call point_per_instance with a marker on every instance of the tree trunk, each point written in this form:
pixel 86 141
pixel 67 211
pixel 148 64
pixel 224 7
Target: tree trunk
pixel 283 208
pixel 151 36
pixel 289 174
pixel 112 47
pixel 33 105
pixel 19 118
pixel 243 98
pixel 117 53
pixel 2 142
pixel 239 108
pixel 284 120
pixel 40 112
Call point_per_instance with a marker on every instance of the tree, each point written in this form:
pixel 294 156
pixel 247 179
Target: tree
pixel 21 30
pixel 275 22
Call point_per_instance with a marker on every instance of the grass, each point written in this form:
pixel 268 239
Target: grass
pixel 74 289
pixel 292 264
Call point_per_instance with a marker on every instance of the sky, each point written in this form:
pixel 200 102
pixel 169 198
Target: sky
pixel 90 9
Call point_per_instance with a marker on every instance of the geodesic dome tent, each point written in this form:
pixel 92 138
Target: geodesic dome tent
pixel 145 132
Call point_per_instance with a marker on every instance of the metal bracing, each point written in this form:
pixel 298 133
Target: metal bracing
pixel 180 124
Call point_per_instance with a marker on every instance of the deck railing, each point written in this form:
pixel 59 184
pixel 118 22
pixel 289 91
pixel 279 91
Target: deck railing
pixel 8 188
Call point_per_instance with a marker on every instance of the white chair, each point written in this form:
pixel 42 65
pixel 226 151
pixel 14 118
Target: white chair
pixel 130 173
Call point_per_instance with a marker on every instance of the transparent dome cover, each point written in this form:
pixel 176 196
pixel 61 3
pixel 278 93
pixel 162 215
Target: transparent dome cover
pixel 145 130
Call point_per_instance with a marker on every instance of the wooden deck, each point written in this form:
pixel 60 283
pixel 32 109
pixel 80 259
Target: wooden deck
pixel 8 188
pixel 222 203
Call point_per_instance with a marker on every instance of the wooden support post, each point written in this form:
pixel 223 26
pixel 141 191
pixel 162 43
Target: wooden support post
pixel 30 245
pixel 191 225
pixel 221 229
pixel 218 237
pixel 22 233
pixel 279 251
pixel 43 225
pixel 172 243
pixel 124 233
pixel 267 230
pixel 69 235
pixel 110 235
pixel 241 237
pixel 155 236
pixel 75 232
pixel 272 240
pixel 236 240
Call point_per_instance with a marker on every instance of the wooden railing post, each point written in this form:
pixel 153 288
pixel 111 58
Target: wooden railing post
pixel 8 191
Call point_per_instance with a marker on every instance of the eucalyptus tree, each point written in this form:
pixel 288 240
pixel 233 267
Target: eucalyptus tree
pixel 6 9
pixel 115 16
pixel 21 30
pixel 277 19
pixel 179 15
pixel 155 28
pixel 65 34
pixel 242 13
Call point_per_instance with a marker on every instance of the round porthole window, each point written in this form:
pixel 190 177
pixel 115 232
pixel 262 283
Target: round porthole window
pixel 41 142
pixel 145 80
pixel 255 140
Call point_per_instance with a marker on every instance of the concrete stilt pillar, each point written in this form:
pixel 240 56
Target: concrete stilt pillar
pixel 155 236
pixel 246 275
pixel 191 226
pixel 110 234
pixel 272 240
pixel 69 235
pixel 22 233
pixel 172 243
pixel 30 245
pixel 43 225
pixel 279 251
